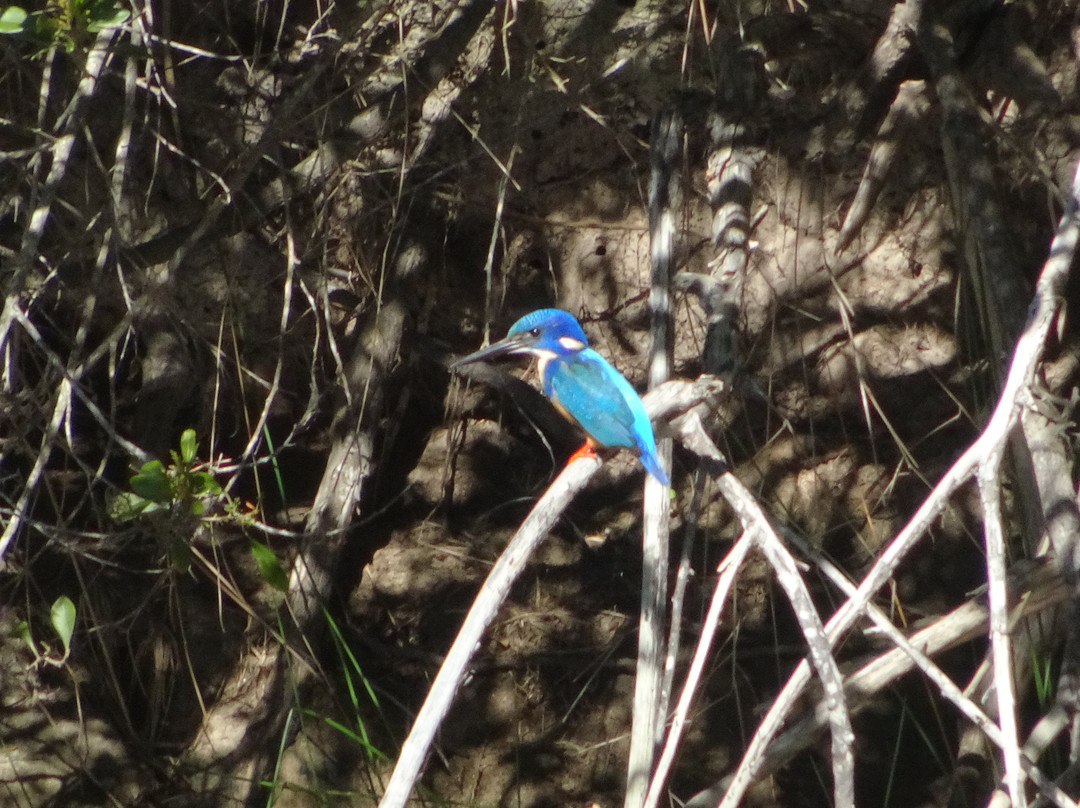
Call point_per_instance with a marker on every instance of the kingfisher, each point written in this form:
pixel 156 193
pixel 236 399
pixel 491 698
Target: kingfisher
pixel 581 384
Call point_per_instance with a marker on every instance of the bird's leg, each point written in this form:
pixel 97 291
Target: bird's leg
pixel 588 449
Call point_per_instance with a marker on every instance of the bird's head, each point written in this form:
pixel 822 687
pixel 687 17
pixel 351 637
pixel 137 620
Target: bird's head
pixel 546 334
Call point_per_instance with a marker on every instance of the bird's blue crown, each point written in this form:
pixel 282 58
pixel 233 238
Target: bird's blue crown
pixel 553 325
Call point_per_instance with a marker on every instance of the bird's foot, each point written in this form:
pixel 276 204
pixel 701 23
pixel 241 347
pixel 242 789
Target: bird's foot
pixel 587 450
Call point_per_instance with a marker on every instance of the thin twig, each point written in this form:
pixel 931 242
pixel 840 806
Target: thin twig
pixel 650 702
pixel 493 592
pixel 1041 589
pixel 727 572
pixel 1049 294
pixel 990 496
pixel 60 411
pixel 69 123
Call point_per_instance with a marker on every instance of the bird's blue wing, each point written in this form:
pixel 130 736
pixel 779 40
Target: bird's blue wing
pixel 597 397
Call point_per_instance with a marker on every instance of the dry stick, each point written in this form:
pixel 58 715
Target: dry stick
pixel 496 230
pixel 350 461
pixel 982 224
pixel 1048 296
pixel 61 410
pixel 729 182
pixel 762 534
pixel 650 702
pixel 71 377
pixel 727 570
pixel 990 497
pixel 257 435
pixel 694 438
pixel 69 123
pixel 750 513
pixel 990 257
pixel 43 102
pixel 663 403
pixel 962 624
pixel 728 179
pixel 890 50
pixel 752 516
pixel 439 102
pixel 908 108
pixel 123 141
pixel 678 597
pixel 832 683
pixel 496 586
pixel 1051 466
pixel 1042 589
pixel 11 316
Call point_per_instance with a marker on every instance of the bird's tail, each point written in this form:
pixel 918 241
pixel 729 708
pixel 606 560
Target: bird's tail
pixel 652 465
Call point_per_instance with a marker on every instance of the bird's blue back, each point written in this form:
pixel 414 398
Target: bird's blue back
pixel 599 398
pixel 596 395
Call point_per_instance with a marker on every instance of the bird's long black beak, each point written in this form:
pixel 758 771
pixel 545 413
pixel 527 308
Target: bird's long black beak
pixel 497 350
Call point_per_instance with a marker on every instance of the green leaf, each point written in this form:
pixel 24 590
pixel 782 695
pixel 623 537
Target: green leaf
pixel 12 20
pixel 188 446
pixel 270 566
pixel 126 506
pixel 118 18
pixel 24 632
pixel 204 484
pixel 153 483
pixel 62 615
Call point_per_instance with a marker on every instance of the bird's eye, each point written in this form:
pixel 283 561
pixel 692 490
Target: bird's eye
pixel 535 332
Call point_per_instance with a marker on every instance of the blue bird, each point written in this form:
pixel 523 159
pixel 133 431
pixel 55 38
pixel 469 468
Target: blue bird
pixel 581 383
